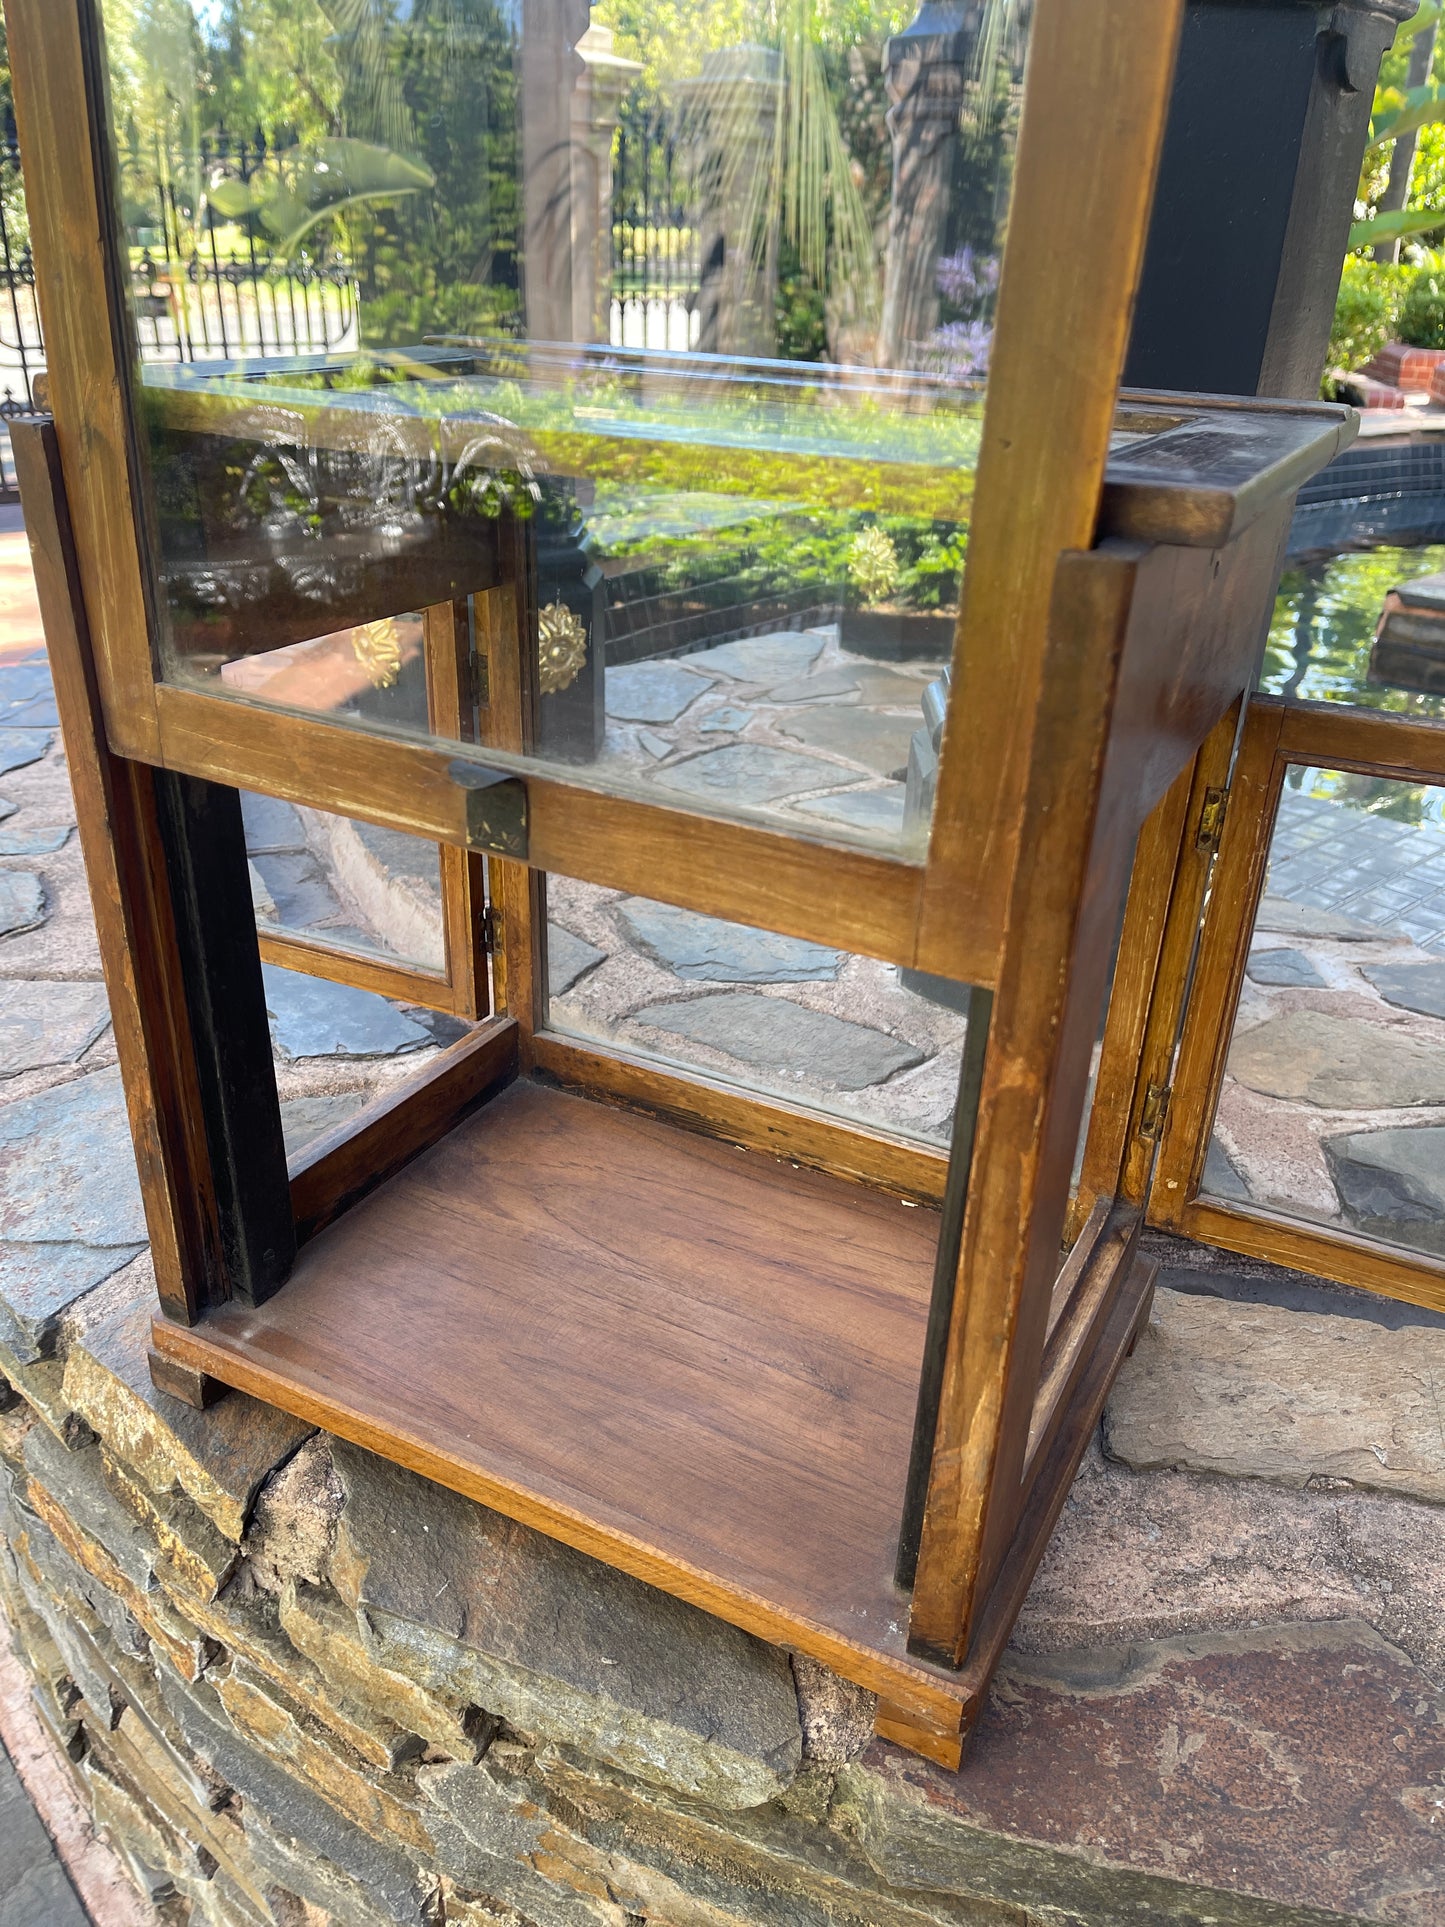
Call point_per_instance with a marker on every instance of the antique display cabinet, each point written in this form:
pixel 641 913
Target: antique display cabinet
pixel 813 673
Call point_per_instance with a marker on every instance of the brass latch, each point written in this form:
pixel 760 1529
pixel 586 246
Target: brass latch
pixel 496 808
pixel 1156 1109
pixel 1211 821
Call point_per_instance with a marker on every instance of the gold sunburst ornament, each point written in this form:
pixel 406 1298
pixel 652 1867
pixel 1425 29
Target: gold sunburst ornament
pixel 377 647
pixel 561 648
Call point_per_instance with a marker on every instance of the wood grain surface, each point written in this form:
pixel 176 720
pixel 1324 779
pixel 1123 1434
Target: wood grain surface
pixel 695 1361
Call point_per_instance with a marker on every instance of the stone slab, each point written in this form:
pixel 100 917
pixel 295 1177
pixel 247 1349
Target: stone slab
pixel 729 717
pixel 271 823
pixel 7 809
pixel 1282 1777
pixel 35 1890
pixel 311 1017
pixel 785 1038
pixel 67 1167
pixel 1392 1183
pixel 1417 987
pixel 1262 1392
pixel 468 1603
pixel 35 842
pixel 707 950
pixel 569 959
pixel 1338 1063
pixel 765 659
pixel 812 688
pixel 1286 969
pixel 49 1023
pixel 656 746
pixel 22 902
pixel 1282 917
pixel 869 737
pixel 39 1283
pixel 745 774
pixel 22 682
pixel 218 1458
pixel 305 1118
pixel 298 886
pixel 880 811
pixel 1222 1177
pixel 653 692
pixel 20 747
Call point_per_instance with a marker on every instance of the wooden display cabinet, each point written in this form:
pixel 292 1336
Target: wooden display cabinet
pixel 811 1371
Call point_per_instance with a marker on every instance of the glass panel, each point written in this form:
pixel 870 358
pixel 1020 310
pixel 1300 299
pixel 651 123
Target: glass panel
pixel 1333 1105
pixel 827 1030
pixel 681 317
pixel 1367 629
pixel 336 1048
pixel 345 884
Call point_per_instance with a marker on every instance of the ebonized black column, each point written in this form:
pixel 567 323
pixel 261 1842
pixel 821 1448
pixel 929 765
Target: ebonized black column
pixel 1252 214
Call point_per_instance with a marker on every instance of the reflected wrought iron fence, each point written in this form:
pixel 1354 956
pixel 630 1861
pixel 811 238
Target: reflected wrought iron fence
pixel 234 297
pixel 656 266
pixel 230 298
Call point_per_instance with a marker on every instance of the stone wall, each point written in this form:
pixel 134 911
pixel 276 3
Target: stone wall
pixel 298 1684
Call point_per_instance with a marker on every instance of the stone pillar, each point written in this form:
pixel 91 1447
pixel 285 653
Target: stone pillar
pixel 551 71
pixel 596 98
pixel 925 68
pixel 730 122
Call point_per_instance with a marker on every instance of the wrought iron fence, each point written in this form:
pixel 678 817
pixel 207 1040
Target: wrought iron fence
pixel 230 298
pixel 656 269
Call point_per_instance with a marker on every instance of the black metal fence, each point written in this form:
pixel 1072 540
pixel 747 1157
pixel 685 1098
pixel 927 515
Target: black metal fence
pixel 231 297
pixel 656 267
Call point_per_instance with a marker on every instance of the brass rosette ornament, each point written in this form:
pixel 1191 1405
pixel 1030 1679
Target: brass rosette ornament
pixel 561 648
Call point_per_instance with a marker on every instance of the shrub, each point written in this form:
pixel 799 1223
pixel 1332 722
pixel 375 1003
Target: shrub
pixel 1422 318
pixel 873 564
pixel 1366 308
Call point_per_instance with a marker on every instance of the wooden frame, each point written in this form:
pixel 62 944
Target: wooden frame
pixel 853 1322
pixel 1276 734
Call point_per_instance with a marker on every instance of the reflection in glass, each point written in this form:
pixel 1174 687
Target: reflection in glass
pixel 345 884
pixel 1333 1105
pixel 1366 628
pixel 833 1032
pixel 676 321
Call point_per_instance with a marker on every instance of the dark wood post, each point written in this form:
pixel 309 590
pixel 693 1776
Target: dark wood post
pixel 1262 151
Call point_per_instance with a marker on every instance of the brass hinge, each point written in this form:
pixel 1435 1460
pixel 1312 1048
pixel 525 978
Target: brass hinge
pixel 1211 821
pixel 490 928
pixel 1156 1109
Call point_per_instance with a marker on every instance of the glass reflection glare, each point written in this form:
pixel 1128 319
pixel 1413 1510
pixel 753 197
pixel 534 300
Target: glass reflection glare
pixel 670 323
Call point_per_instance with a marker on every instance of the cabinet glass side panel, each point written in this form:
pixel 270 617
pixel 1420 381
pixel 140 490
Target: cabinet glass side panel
pixel 680 329
pixel 344 884
pixel 1333 1103
pixel 834 1033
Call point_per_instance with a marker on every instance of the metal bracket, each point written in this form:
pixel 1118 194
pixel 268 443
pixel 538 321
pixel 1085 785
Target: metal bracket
pixel 1155 1110
pixel 496 808
pixel 1211 821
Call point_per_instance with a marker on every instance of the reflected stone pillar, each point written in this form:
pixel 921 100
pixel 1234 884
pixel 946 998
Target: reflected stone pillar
pixel 731 120
pixel 925 68
pixel 596 100
pixel 551 71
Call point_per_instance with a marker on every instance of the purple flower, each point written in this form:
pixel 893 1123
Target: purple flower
pixel 960 349
pixel 966 279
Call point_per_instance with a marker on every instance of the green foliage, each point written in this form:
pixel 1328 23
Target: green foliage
pixel 1422 316
pixel 873 564
pixel 1367 310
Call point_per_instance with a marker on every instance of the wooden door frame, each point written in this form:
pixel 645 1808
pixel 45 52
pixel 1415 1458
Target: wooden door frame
pixel 1278 734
